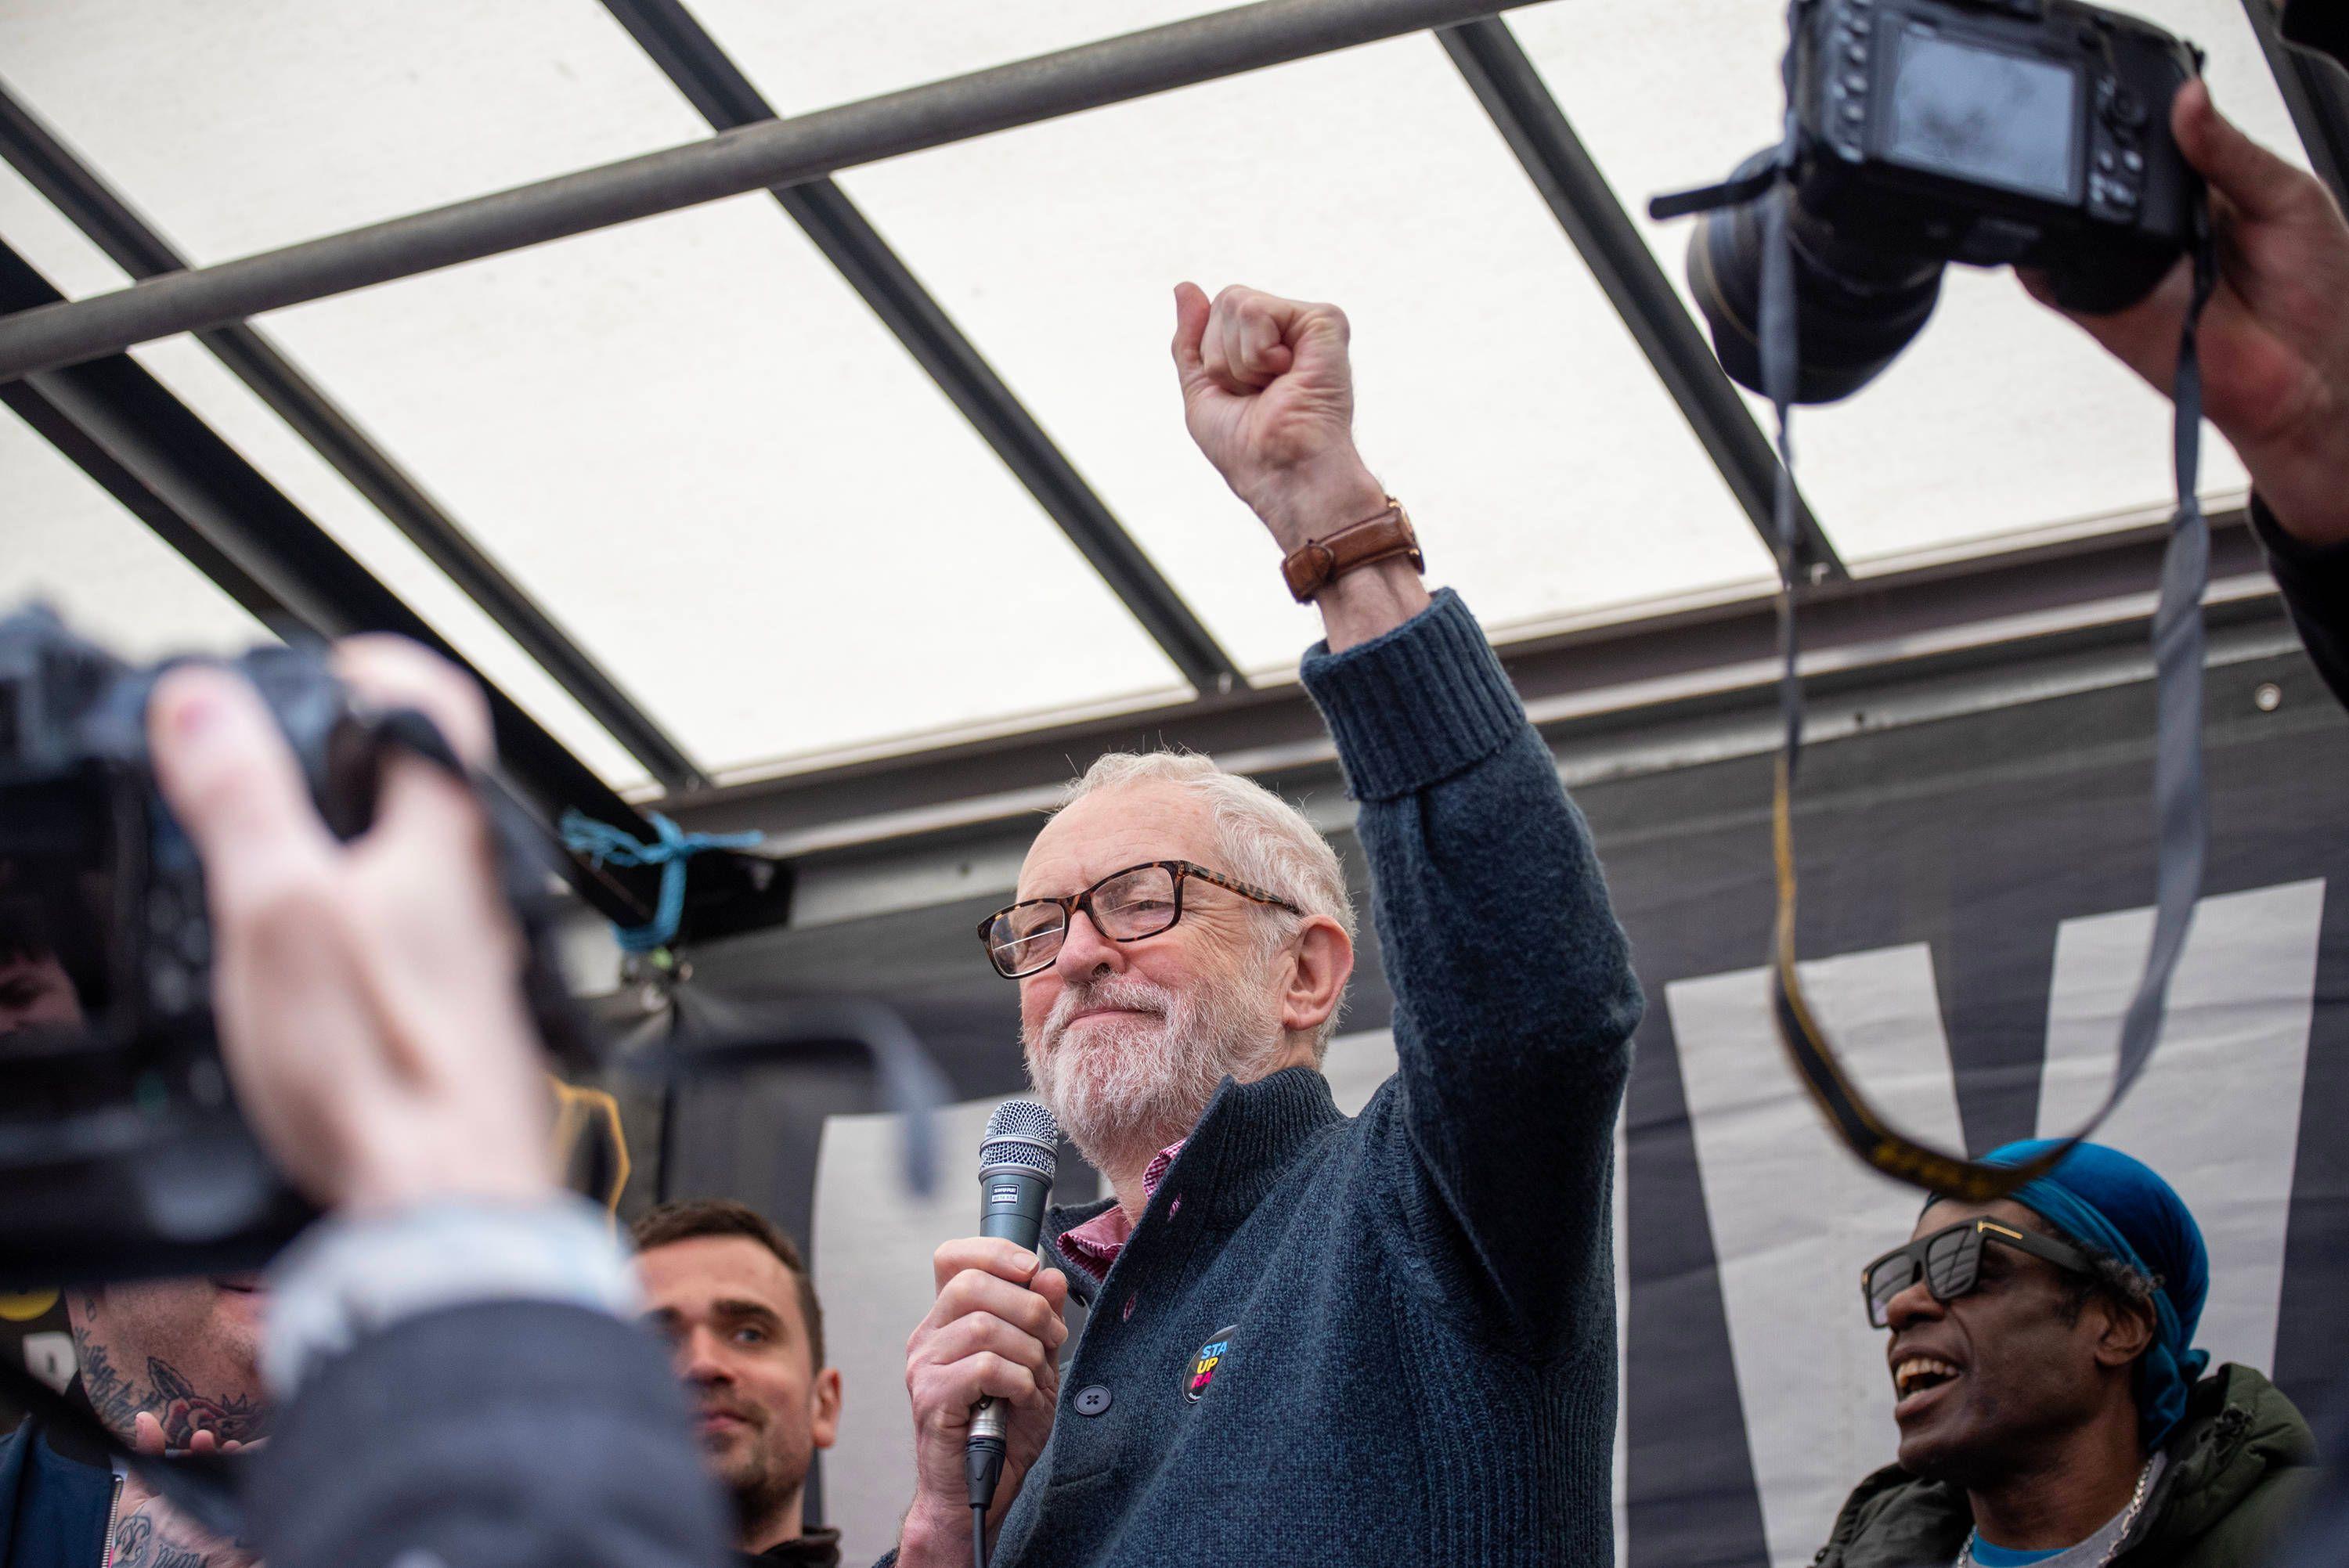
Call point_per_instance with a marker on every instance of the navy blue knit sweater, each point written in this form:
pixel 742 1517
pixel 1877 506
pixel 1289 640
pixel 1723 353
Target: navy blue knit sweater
pixel 1415 1307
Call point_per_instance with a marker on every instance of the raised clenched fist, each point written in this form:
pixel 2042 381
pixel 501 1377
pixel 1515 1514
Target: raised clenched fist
pixel 1269 395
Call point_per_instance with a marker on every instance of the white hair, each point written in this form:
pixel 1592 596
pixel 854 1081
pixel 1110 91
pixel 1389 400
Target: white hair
pixel 1261 839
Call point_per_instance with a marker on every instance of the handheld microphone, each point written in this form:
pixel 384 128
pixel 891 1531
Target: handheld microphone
pixel 1017 1159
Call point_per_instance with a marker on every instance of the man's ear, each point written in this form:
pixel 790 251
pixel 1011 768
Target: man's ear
pixel 2128 1329
pixel 823 1397
pixel 1322 960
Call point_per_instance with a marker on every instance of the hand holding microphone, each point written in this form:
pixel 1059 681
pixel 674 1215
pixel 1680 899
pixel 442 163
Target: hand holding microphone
pixel 1017 1161
pixel 993 1334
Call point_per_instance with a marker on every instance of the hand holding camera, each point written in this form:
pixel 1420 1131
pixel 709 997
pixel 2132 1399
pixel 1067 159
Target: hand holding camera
pixel 370 1000
pixel 280 871
pixel 2073 142
pixel 2274 339
pixel 1922 132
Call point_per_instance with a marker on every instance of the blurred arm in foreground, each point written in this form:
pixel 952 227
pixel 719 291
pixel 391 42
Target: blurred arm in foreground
pixel 459 1376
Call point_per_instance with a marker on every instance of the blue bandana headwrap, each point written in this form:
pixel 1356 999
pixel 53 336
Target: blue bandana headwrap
pixel 2116 1205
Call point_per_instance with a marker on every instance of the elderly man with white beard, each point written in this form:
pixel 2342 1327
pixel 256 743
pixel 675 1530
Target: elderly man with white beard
pixel 1382 1338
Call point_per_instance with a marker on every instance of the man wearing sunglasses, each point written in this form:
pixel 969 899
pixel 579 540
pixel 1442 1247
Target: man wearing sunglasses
pixel 1312 1338
pixel 2052 1408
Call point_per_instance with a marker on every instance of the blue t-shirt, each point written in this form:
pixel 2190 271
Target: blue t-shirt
pixel 2080 1553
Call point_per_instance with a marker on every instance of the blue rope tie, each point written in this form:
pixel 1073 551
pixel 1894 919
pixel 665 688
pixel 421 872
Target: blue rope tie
pixel 605 844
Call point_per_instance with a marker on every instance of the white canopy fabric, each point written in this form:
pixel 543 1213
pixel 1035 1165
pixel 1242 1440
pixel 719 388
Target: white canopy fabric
pixel 710 462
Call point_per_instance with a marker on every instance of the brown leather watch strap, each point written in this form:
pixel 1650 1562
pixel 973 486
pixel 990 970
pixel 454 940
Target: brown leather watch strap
pixel 1318 562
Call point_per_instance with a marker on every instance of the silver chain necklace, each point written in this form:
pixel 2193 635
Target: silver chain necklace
pixel 2137 1501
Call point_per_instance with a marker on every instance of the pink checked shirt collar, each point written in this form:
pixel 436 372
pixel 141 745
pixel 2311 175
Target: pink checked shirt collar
pixel 1093 1246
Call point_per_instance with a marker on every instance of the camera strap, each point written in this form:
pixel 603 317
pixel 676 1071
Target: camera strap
pixel 2180 809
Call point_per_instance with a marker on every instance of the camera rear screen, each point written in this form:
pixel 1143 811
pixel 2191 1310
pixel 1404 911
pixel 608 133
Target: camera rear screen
pixel 57 914
pixel 1982 115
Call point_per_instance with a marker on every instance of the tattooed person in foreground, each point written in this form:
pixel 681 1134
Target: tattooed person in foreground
pixel 167 1365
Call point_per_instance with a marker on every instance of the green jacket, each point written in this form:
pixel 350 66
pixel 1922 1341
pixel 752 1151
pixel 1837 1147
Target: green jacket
pixel 2239 1462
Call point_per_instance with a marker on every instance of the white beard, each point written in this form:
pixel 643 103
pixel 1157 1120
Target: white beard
pixel 1124 1088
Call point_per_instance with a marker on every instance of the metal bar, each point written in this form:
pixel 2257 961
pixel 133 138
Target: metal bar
pixel 715 86
pixel 151 452
pixel 1529 119
pixel 2313 90
pixel 755 157
pixel 97 211
pixel 1622 675
pixel 2027 693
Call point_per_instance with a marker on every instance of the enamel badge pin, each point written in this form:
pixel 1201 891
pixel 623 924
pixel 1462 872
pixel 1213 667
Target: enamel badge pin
pixel 1207 1362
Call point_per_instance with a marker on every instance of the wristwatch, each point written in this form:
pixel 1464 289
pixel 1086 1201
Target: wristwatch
pixel 1318 562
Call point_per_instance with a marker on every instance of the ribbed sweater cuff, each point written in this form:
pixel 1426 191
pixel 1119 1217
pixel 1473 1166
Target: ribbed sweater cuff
pixel 1415 706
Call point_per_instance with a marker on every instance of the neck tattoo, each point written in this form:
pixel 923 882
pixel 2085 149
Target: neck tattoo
pixel 118 1398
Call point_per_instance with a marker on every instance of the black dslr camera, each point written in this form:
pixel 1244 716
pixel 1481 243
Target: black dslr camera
pixel 2033 132
pixel 121 1149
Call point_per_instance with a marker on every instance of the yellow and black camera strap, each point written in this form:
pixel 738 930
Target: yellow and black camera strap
pixel 2181 813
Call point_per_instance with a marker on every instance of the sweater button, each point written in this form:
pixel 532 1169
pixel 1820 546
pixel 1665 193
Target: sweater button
pixel 1093 1400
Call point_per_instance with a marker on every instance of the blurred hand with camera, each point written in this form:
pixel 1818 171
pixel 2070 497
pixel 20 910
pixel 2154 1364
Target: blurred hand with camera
pixel 455 1344
pixel 2274 339
pixel 371 1018
pixel 368 994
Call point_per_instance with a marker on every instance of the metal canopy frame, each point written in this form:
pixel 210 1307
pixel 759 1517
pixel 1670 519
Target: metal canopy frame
pixel 717 88
pixel 111 223
pixel 1610 679
pixel 756 156
pixel 1529 119
pixel 167 467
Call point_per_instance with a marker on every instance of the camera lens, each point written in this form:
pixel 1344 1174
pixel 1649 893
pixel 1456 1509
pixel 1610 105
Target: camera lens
pixel 1857 304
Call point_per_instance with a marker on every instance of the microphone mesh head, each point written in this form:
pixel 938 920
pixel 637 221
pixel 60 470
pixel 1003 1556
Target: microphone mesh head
pixel 1021 1134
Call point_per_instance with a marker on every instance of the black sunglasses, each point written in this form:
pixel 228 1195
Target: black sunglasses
pixel 1950 1262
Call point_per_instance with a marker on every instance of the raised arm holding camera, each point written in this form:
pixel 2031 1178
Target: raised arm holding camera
pixel 2077 143
pixel 2274 344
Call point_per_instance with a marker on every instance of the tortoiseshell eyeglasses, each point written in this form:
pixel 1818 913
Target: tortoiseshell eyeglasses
pixel 1124 906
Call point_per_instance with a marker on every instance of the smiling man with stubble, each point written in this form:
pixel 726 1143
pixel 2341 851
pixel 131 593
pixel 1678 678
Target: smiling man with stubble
pixel 2052 1410
pixel 732 1295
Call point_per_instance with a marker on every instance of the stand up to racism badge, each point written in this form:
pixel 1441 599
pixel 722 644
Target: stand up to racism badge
pixel 1205 1364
